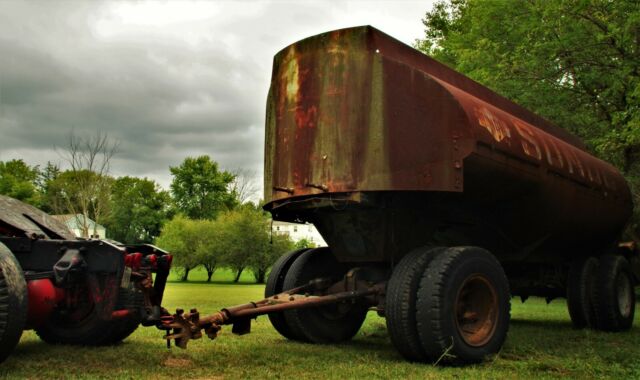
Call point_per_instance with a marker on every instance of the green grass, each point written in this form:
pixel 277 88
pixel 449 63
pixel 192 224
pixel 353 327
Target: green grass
pixel 541 344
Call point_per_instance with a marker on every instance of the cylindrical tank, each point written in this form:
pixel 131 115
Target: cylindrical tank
pixel 384 149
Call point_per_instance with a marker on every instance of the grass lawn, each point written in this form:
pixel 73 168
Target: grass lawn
pixel 541 344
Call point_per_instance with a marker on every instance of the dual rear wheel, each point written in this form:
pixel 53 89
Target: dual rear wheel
pixel 448 304
pixel 600 293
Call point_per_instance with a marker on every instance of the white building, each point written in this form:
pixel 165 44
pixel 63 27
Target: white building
pixel 297 232
pixel 75 223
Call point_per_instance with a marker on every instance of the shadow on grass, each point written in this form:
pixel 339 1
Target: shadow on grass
pixel 561 326
pixel 31 347
pixel 539 335
pixel 542 324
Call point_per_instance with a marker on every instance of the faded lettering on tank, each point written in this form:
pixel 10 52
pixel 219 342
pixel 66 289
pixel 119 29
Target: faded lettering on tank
pixel 598 177
pixel 496 127
pixel 589 174
pixel 535 144
pixel 305 117
pixel 529 142
pixel 554 158
pixel 572 158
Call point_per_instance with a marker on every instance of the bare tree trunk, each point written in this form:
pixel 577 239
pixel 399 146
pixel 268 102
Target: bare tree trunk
pixel 210 269
pixel 185 275
pixel 238 273
pixel 260 275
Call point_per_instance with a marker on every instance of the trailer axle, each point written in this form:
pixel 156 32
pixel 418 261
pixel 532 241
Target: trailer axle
pixel 182 327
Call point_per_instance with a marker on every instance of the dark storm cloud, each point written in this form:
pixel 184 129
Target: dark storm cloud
pixel 185 85
pixel 161 98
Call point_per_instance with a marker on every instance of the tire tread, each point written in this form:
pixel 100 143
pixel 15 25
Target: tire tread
pixel 433 296
pixel 400 308
pixel 13 301
pixel 274 285
pixel 607 315
pixel 580 292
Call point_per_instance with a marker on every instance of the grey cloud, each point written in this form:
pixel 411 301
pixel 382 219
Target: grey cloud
pixel 165 92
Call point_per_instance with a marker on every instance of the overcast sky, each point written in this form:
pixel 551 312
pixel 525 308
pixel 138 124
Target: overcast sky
pixel 166 79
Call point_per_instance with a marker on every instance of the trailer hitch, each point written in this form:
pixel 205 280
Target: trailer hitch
pixel 182 326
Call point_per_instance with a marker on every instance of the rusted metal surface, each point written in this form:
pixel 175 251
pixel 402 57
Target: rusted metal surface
pixel 183 327
pixel 20 219
pixel 354 111
pixel 477 311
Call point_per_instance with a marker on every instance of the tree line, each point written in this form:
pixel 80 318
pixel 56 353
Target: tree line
pixel 239 239
pixel 204 219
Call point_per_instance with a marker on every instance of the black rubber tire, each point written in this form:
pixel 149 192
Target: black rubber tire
pixel 326 324
pixel 400 303
pixel 609 299
pixel 131 299
pixel 92 330
pixel 436 305
pixel 580 293
pixel 14 302
pixel 275 281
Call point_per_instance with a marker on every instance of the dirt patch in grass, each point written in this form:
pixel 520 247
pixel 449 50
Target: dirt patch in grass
pixel 177 362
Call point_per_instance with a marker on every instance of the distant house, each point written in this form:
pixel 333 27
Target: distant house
pixel 75 223
pixel 297 232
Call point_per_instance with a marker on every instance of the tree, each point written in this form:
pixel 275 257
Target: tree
pixel 304 243
pixel 138 211
pixel 244 241
pixel 208 246
pixel 180 237
pixel 69 194
pixel 45 178
pixel 243 236
pixel 18 180
pixel 244 186
pixel 576 63
pixel 260 263
pixel 84 189
pixel 200 190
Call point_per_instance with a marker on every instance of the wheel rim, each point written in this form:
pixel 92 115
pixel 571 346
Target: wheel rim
pixel 625 294
pixel 476 310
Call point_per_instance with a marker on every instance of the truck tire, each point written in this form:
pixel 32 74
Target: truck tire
pixel 14 302
pixel 463 306
pixel 83 326
pixel 131 299
pixel 580 292
pixel 614 294
pixel 275 281
pixel 400 302
pixel 325 324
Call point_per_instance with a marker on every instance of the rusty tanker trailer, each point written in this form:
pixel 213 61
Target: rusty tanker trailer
pixel 451 196
pixel 439 201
